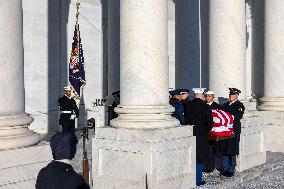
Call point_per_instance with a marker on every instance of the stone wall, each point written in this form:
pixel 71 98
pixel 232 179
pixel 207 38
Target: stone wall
pixel 19 167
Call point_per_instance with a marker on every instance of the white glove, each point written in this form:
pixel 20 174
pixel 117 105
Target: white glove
pixel 72 117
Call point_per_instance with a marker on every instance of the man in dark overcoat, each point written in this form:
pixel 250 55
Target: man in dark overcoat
pixel 69 111
pixel 229 148
pixel 59 174
pixel 198 114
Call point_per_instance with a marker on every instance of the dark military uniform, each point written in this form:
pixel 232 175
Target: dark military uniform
pixel 215 105
pixel 68 107
pixel 179 110
pixel 210 166
pixel 111 113
pixel 198 113
pixel 231 146
pixel 59 175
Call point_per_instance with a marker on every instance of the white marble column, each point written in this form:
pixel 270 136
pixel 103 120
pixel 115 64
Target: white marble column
pixel 144 69
pixel 14 121
pixel 249 20
pixel 273 57
pixel 113 45
pixel 227 50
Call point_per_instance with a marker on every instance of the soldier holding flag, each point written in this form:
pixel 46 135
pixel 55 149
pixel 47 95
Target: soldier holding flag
pixel 69 111
pixel 68 107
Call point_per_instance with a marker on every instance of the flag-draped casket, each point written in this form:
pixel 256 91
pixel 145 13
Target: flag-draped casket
pixel 223 125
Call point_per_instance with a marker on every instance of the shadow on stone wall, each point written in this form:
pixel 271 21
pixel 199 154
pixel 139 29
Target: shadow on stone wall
pixel 187 40
pixel 105 49
pixel 58 12
pixel 257 47
pixel 204 4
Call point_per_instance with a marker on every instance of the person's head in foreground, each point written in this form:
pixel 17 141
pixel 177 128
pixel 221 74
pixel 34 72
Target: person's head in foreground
pixel 63 146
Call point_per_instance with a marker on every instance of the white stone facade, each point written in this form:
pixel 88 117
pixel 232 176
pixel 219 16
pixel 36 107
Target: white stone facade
pixel 160 159
pixel 155 52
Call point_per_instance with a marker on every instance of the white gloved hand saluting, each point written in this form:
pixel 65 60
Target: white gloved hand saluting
pixel 72 117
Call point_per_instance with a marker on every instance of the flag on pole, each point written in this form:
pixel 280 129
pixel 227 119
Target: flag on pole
pixel 76 64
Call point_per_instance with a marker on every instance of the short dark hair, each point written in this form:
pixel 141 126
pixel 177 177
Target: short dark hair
pixel 63 145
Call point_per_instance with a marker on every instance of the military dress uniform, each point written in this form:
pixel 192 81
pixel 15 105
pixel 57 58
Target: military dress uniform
pixel 111 113
pixel 210 166
pixel 198 114
pixel 69 111
pixel 178 104
pixel 179 110
pixel 229 148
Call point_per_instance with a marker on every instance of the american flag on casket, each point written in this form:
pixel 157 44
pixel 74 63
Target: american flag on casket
pixel 223 123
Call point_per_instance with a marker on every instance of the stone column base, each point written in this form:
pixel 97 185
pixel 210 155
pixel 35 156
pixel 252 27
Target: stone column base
pixel 14 132
pixel 271 104
pixel 252 151
pixel 139 159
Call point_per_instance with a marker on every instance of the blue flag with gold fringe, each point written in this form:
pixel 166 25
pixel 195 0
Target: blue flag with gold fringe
pixel 76 64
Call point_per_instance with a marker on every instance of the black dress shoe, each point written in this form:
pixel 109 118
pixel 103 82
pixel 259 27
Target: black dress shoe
pixel 208 170
pixel 230 174
pixel 223 173
pixel 201 183
pixel 227 174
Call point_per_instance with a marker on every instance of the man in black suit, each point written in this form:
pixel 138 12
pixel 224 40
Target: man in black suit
pixel 198 114
pixel 230 147
pixel 59 174
pixel 69 111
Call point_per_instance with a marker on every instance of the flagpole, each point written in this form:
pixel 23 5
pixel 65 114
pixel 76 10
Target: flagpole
pixel 200 64
pixel 78 34
pixel 77 24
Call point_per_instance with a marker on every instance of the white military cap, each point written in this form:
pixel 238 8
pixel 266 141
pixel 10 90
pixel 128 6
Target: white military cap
pixel 209 92
pixel 198 90
pixel 67 88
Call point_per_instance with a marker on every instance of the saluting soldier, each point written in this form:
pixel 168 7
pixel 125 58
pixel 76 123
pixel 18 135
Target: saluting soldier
pixel 176 102
pixel 69 111
pixel 230 147
pixel 198 114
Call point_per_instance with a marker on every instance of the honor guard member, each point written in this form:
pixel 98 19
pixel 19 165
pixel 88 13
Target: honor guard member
pixel 69 111
pixel 178 105
pixel 59 174
pixel 198 114
pixel 210 101
pixel 230 147
pixel 184 93
pixel 210 166
pixel 111 113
